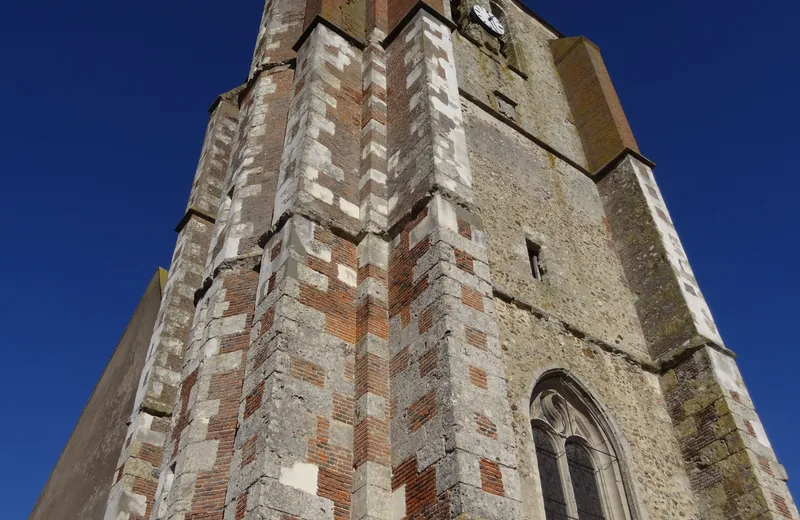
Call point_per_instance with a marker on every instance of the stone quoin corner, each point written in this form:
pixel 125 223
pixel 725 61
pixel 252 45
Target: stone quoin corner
pixel 424 272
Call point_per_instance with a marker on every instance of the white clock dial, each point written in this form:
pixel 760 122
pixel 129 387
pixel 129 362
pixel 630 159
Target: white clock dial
pixel 489 20
pixel 496 26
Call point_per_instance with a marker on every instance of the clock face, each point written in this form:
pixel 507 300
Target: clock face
pixel 489 20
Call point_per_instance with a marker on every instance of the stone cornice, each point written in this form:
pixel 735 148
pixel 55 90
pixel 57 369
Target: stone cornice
pixel 360 45
pixel 410 16
pixel 613 163
pixel 658 367
pixel 191 212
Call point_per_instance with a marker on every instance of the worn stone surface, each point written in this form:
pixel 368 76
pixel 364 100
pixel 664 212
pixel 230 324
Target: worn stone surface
pixel 426 144
pixel 542 106
pixel 136 483
pixel 630 396
pixel 321 155
pixel 555 206
pixel 282 23
pixel 210 175
pixel 251 179
pixel 729 459
pixel 675 314
pixel 403 234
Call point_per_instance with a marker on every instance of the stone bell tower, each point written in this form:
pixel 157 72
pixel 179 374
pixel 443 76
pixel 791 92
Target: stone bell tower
pixel 421 242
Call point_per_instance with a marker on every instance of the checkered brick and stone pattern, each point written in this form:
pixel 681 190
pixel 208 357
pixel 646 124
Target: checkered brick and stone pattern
pixel 213 165
pixel 371 444
pixel 453 451
pixel 136 479
pixel 245 210
pixel 205 422
pixel 373 171
pixel 331 344
pixel 294 447
pixel 426 140
pixel 730 461
pixel 321 155
pixel 281 26
pixel 439 285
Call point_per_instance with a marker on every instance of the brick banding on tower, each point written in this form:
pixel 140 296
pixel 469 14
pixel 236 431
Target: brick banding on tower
pixel 354 325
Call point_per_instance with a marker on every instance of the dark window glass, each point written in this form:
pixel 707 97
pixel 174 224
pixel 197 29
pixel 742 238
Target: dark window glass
pixel 534 256
pixel 584 482
pixel 555 506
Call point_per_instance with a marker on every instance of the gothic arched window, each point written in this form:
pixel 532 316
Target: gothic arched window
pixel 579 469
pixel 549 474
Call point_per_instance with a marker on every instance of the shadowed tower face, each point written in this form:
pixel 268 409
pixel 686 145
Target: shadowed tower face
pixel 425 272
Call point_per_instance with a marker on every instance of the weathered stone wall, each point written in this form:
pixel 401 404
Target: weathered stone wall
pixel 672 310
pixel 542 108
pixel 580 317
pixel 728 457
pixel 281 26
pixel 351 328
pixel 617 306
pixel 525 192
pixel 452 451
pixel 631 398
pixel 136 481
pixel 80 483
pixel 617 287
pixel 200 454
pixel 730 461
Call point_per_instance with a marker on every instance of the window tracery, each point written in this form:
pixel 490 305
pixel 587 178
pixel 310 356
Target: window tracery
pixel 579 469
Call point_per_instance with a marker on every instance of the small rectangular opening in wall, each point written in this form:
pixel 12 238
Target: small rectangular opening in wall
pixel 534 257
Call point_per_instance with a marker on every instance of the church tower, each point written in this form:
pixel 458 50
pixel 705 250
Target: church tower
pixel 425 272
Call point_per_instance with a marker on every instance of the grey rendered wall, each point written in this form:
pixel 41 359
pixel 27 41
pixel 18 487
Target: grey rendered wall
pixel 78 487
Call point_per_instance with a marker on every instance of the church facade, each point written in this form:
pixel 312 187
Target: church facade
pixel 425 272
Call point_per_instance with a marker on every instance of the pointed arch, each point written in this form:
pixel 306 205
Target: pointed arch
pixel 583 474
pixel 580 438
pixel 555 504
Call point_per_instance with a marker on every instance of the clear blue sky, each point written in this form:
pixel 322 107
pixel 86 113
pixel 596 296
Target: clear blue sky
pixel 103 118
